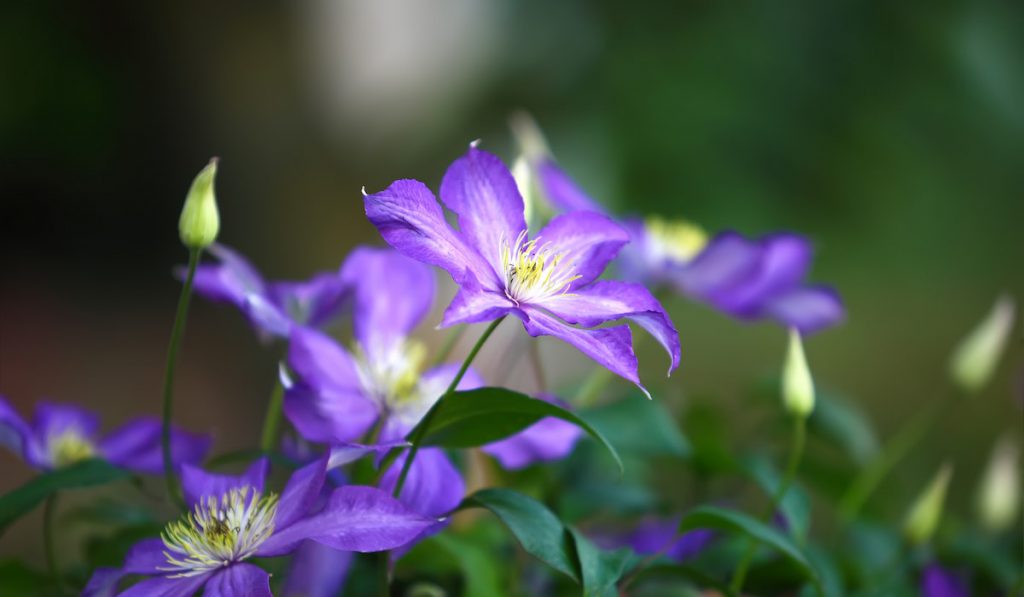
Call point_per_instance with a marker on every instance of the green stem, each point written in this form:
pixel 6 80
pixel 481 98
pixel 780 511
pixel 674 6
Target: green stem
pixel 538 367
pixel 383 576
pixel 272 420
pixel 795 454
pixel 51 553
pixel 449 345
pixel 423 425
pixel 592 387
pixel 172 357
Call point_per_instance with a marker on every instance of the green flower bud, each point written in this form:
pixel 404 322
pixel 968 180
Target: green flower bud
pixel 923 517
pixel 797 385
pixel 999 493
pixel 199 220
pixel 976 357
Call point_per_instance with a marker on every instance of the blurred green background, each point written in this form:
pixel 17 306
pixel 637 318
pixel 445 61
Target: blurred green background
pixel 892 134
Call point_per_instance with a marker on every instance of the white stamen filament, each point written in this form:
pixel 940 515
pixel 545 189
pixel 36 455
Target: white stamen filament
pixel 533 271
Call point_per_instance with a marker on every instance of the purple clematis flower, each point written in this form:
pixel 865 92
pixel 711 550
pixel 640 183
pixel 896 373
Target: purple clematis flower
pixel 936 581
pixel 234 519
pixel 662 536
pixel 549 282
pixel 745 278
pixel 273 308
pixel 61 434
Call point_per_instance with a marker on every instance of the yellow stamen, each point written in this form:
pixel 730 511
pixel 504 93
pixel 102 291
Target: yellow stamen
pixel 68 447
pixel 676 240
pixel 532 271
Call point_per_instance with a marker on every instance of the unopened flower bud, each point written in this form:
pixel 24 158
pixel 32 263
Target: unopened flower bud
pixel 199 220
pixel 523 173
pixel 976 357
pixel 923 517
pixel 797 385
pixel 999 493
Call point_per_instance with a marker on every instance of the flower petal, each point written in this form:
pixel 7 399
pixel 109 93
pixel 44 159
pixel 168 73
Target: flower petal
pixel 239 579
pixel 562 191
pixel 475 304
pixel 300 493
pixel 317 571
pixel 145 557
pixel 136 446
pixel 547 439
pixel 53 419
pixel 610 347
pixel 322 363
pixel 610 300
pixel 586 242
pixel 197 483
pixel 103 583
pixel 15 434
pixel 433 486
pixel 480 189
pixel 410 220
pixel 313 302
pixel 342 454
pixel 329 416
pixel 355 518
pixel 727 260
pixel 163 586
pixel 808 309
pixel 265 316
pixel 783 262
pixel 936 581
pixel 392 295
pixel 229 281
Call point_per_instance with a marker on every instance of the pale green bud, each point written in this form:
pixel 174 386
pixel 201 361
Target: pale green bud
pixel 999 493
pixel 523 174
pixel 199 220
pixel 797 384
pixel 923 518
pixel 528 136
pixel 976 357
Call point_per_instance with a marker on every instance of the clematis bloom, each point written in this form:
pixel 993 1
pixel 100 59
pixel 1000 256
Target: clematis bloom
pixel 62 434
pixel 548 281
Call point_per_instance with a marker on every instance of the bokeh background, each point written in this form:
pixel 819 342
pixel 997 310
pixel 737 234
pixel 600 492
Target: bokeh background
pixel 890 133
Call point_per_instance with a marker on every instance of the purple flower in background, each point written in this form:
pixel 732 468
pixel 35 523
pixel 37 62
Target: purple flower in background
pixel 61 434
pixel 234 519
pixel 549 282
pixel 748 279
pixel 273 308
pixel 936 581
pixel 662 536
pixel 546 440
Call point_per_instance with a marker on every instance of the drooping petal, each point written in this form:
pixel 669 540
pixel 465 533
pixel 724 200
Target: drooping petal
pixel 562 191
pixel 392 295
pixel 316 571
pixel 266 316
pixel 808 309
pixel 480 189
pixel 433 487
pixel 229 281
pixel 329 416
pixel 322 363
pixel 586 242
pixel 410 220
pixel 300 493
pixel 313 302
pixel 783 262
pixel 936 581
pixel 547 439
pixel 54 419
pixel 103 583
pixel 239 579
pixel 355 518
pixel 15 434
pixel 610 347
pixel 474 304
pixel 197 483
pixel 728 259
pixel 164 586
pixel 145 557
pixel 610 300
pixel 136 446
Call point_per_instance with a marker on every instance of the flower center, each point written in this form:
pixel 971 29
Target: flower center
pixel 219 532
pixel 674 241
pixel 68 447
pixel 391 376
pixel 533 271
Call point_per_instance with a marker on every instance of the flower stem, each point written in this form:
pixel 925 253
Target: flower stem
pixel 421 429
pixel 272 420
pixel 172 357
pixel 51 553
pixel 795 454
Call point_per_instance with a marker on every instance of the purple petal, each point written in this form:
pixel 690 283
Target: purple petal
pixel 312 302
pixel 475 304
pixel 586 241
pixel 727 260
pixel 392 295
pixel 322 363
pixel 329 416
pixel 610 347
pixel 239 579
pixel 480 189
pixel 610 300
pixel 136 446
pixel 317 571
pixel 145 557
pixel 546 440
pixel 54 419
pixel 15 434
pixel 163 586
pixel 561 191
pixel 410 220
pixel 265 316
pixel 300 493
pixel 229 281
pixel 782 264
pixel 433 487
pixel 808 309
pixel 355 518
pixel 103 583
pixel 939 582
pixel 662 536
pixel 198 483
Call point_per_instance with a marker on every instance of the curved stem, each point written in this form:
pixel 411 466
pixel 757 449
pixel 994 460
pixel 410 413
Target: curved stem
pixel 172 357
pixel 51 553
pixel 424 424
pixel 795 454
pixel 272 419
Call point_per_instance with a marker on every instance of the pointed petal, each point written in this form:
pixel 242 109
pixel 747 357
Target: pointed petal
pixel 562 191
pixel 322 363
pixel 103 583
pixel 197 483
pixel 611 300
pixel 239 579
pixel 474 304
pixel 300 493
pixel 586 241
pixel 329 416
pixel 411 220
pixel 136 446
pixel 782 263
pixel 163 586
pixel 265 316
pixel 313 302
pixel 15 434
pixel 547 439
pixel 433 487
pixel 229 281
pixel 728 259
pixel 317 571
pixel 355 518
pixel 480 189
pixel 808 309
pixel 145 557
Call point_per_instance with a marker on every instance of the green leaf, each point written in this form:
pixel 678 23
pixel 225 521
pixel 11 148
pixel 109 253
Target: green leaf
pixel 18 579
pixel 711 517
pixel 478 417
pixel 795 506
pixel 536 528
pixel 639 426
pixel 86 473
pixel 600 569
pixel 845 425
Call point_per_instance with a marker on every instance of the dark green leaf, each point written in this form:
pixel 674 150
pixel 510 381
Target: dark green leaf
pixel 600 569
pixel 18 502
pixel 479 417
pixel 536 528
pixel 795 506
pixel 711 517
pixel 639 426
pixel 844 425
